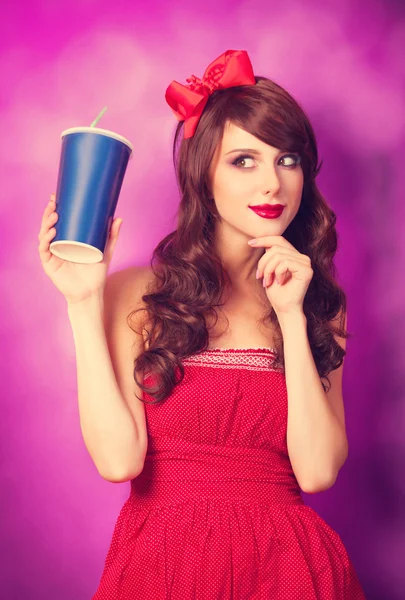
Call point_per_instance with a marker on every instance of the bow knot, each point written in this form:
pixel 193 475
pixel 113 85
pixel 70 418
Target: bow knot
pixel 231 69
pixel 209 82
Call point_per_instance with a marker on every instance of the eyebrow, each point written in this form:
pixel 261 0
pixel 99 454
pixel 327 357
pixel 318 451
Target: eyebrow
pixel 251 150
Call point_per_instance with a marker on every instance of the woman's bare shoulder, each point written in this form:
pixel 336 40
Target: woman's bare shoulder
pixel 134 280
pixel 125 288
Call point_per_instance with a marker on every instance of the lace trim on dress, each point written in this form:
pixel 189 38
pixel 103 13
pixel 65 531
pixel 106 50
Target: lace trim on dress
pixel 255 359
pixel 243 349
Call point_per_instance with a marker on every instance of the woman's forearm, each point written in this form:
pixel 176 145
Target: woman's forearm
pixel 317 445
pixel 108 427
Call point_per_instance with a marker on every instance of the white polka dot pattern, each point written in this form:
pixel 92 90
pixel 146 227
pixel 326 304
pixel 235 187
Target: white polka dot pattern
pixel 217 513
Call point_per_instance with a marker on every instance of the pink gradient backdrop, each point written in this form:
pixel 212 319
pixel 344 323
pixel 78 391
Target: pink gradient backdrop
pixel 60 63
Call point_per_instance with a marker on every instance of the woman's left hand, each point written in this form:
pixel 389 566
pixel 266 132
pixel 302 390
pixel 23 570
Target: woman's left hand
pixel 282 263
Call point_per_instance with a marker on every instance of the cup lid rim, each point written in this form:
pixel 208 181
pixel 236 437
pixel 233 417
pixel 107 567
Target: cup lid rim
pixel 105 132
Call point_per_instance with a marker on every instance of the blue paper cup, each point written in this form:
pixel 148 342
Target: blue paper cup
pixel 91 171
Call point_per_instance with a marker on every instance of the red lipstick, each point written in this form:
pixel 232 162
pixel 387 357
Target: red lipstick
pixel 268 211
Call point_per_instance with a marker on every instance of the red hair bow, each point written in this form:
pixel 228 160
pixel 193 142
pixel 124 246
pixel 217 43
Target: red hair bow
pixel 230 69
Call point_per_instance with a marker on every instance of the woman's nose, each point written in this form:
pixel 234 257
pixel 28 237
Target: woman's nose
pixel 271 182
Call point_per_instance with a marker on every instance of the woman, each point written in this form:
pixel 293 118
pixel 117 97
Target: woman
pixel 212 403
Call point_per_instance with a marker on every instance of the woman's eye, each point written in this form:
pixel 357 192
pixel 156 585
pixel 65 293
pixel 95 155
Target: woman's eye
pixel 242 160
pixel 295 158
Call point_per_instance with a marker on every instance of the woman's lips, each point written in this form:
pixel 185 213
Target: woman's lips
pixel 268 211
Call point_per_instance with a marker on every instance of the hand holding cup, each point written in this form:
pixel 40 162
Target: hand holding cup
pixel 76 281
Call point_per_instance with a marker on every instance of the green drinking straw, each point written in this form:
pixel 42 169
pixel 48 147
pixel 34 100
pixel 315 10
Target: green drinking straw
pixel 96 120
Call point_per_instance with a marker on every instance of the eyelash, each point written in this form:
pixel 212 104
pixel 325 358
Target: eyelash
pixel 243 156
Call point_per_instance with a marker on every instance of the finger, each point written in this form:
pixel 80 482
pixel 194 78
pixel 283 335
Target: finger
pixel 52 202
pixel 279 268
pixel 271 258
pixel 49 210
pixel 43 246
pixel 48 223
pixel 278 275
pixel 281 273
pixel 270 240
pixel 279 248
pixel 271 255
pixel 281 276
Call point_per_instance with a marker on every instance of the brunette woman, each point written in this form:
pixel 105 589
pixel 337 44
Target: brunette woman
pixel 212 380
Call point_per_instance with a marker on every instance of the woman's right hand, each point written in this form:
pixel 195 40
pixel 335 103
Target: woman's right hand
pixel 75 281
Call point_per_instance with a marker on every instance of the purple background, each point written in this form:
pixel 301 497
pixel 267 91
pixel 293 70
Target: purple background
pixel 60 63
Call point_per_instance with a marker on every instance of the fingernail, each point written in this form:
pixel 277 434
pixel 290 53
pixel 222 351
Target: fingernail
pixel 257 273
pixel 252 242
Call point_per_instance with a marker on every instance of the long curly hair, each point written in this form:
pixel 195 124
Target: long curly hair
pixel 189 276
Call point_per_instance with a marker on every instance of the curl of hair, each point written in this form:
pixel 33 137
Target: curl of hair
pixel 189 277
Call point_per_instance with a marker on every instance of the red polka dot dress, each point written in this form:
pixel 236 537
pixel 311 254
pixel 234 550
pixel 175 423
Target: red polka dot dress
pixel 216 513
